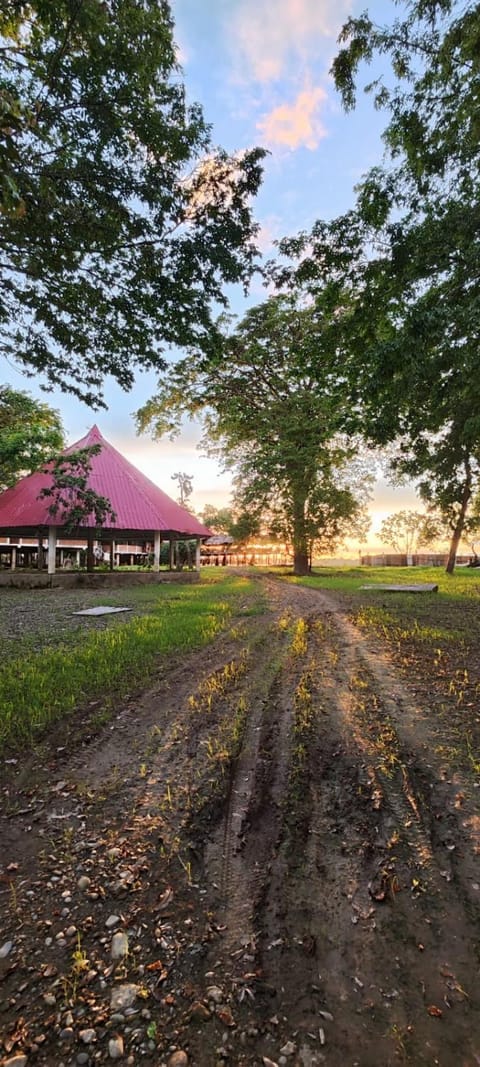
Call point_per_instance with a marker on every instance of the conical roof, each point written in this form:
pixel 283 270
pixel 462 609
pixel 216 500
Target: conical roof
pixel 140 506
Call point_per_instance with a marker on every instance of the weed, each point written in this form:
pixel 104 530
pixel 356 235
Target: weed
pixel 70 982
pixel 299 640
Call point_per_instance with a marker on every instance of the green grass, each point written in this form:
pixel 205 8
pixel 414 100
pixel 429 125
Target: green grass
pixel 48 677
pixel 465 582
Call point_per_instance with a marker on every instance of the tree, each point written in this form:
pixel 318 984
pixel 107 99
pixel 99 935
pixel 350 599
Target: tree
pixel 407 531
pixel 273 404
pixel 185 485
pixel 409 253
pixel 30 433
pixel 73 500
pixel 240 525
pixel 120 222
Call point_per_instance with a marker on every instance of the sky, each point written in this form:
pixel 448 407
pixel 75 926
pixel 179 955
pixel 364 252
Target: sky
pixel 260 70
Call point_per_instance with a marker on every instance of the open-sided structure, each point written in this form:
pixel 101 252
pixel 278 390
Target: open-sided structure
pixel 144 514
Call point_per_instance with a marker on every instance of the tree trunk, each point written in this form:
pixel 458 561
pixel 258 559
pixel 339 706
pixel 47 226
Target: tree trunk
pixel 300 542
pixel 90 556
pixel 460 523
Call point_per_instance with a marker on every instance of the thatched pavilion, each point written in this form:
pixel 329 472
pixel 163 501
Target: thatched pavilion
pixel 143 513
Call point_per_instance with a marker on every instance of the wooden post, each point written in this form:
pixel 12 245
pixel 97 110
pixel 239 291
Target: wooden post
pixel 52 548
pixel 112 554
pixel 13 558
pixel 197 554
pixel 156 550
pixel 171 553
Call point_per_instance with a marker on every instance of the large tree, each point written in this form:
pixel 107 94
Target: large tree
pixel 119 220
pixel 274 406
pixel 410 251
pixel 407 531
pixel 424 206
pixel 30 434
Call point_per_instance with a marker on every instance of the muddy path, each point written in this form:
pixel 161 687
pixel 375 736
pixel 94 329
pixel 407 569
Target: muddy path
pixel 268 856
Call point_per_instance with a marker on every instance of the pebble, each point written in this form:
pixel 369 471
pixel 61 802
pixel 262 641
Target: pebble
pixel 82 1058
pixel 178 1059
pixel 115 1048
pixel 67 1034
pixel 87 1036
pixel 71 931
pixel 215 994
pixel 83 881
pixel 16 1061
pixel 119 946
pixel 113 920
pixel 289 1049
pixel 49 999
pixel 123 996
pixel 114 853
pixel 6 949
pixel 199 1012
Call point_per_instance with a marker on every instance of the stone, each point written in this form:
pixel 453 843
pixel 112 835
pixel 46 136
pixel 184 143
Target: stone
pixel 123 996
pixel 67 1034
pixel 199 1012
pixel 178 1059
pixel 82 1058
pixel 119 946
pixel 289 1049
pixel 215 993
pixel 6 949
pixel 83 882
pixel 87 1036
pixel 18 1060
pixel 113 920
pixel 115 1048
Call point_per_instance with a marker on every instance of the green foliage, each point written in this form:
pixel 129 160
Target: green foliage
pixel 119 221
pixel 275 408
pixel 407 531
pixel 405 263
pixel 73 500
pixel 41 684
pixel 30 433
pixel 239 525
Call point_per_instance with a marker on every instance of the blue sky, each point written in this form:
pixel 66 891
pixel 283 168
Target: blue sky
pixel 260 70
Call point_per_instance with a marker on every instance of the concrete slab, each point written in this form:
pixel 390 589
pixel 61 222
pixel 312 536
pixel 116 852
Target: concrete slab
pixel 426 587
pixel 100 610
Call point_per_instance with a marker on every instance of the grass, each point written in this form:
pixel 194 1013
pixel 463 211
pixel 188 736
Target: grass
pixel 465 582
pixel 48 678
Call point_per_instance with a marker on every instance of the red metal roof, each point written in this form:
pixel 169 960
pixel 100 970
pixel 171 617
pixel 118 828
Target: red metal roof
pixel 138 503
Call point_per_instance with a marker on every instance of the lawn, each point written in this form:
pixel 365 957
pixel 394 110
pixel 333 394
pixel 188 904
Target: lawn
pixel 54 662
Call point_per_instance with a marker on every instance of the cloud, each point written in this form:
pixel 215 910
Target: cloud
pixel 268 36
pixel 296 125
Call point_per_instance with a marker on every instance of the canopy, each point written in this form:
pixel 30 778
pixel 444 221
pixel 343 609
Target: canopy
pixel 140 506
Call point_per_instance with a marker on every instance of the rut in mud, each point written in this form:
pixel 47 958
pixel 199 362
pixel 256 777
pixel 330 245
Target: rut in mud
pixel 315 901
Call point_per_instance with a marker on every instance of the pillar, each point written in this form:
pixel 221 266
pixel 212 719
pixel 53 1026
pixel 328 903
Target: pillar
pixel 171 554
pixel 52 548
pixel 112 554
pixel 40 551
pixel 156 550
pixel 197 554
pixel 13 558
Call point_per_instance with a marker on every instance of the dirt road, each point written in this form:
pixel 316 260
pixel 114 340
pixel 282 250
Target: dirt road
pixel 313 900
